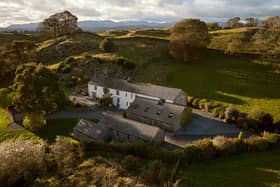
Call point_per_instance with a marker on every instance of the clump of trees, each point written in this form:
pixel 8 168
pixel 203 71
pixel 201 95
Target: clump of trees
pixel 36 92
pixel 236 22
pixel 213 26
pixel 189 38
pixel 267 37
pixel 59 24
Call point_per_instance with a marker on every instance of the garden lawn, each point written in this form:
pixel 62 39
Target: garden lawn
pixel 253 169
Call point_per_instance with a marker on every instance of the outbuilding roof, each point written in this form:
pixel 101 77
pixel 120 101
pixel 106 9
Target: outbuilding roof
pixel 130 127
pixel 87 130
pixel 159 111
pixel 139 88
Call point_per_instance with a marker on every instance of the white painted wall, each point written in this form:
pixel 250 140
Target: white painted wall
pixel 125 98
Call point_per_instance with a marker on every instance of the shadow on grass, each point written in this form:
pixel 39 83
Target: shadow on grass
pixel 57 127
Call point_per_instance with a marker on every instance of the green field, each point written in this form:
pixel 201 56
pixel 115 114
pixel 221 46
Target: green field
pixel 258 170
pixel 244 81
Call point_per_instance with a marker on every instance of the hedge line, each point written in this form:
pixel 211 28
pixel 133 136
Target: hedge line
pixel 257 120
pixel 201 150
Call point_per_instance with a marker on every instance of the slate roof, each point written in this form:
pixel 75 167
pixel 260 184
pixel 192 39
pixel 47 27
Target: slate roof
pixel 87 130
pixel 167 112
pixel 131 127
pixel 139 88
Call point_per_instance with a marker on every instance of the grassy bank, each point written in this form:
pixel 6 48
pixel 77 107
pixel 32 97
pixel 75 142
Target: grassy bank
pixel 260 169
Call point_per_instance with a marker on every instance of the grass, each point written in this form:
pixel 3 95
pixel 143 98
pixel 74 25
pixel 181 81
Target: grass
pixel 59 127
pixel 230 80
pixel 259 169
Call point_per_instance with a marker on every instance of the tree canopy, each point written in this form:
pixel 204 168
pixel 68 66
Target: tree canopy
pixel 188 39
pixel 267 37
pixel 60 24
pixel 213 26
pixel 234 23
pixel 36 89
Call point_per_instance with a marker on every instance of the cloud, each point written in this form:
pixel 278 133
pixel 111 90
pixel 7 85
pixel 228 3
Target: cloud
pixel 20 11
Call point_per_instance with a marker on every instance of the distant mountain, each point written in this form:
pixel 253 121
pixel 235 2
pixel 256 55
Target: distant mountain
pixel 95 26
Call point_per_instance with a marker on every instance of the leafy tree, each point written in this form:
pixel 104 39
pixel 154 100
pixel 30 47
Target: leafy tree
pixel 213 26
pixel 189 38
pixel 36 89
pixel 234 23
pixel 251 22
pixel 267 38
pixel 34 120
pixel 60 24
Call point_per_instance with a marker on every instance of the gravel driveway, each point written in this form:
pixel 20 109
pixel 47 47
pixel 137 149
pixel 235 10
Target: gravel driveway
pixel 202 125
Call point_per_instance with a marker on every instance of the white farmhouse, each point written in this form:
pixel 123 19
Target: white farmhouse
pixel 124 92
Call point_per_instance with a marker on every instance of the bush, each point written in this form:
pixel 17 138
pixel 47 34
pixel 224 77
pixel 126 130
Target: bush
pixel 195 103
pixel 131 163
pixel 156 173
pixel 256 143
pixel 207 149
pixel 219 112
pixel 273 139
pixel 210 106
pixel 186 117
pixel 190 100
pixel 192 153
pixel 260 120
pixel 105 102
pixel 126 63
pixel 22 161
pixel 66 154
pixel 34 121
pixel 231 114
pixel 201 103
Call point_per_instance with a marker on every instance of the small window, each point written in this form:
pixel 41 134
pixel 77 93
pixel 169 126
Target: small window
pixel 131 95
pixel 159 111
pixel 125 94
pixel 118 92
pixel 171 115
pixel 146 109
pixel 95 87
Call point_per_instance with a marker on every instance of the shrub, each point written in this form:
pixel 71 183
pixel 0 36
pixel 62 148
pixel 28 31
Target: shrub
pixel 210 106
pixel 125 63
pixel 256 143
pixel 207 149
pixel 186 117
pixel 190 100
pixel 131 163
pixel 231 114
pixel 218 112
pixel 34 120
pixel 64 68
pixel 273 139
pixel 66 154
pixel 192 153
pixel 69 60
pixel 21 161
pixel 240 135
pixel 237 146
pixel 105 102
pixel 195 103
pixel 260 120
pixel 156 173
pixel 202 103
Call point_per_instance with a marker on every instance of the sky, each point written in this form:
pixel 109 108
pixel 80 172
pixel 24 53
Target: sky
pixel 26 11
